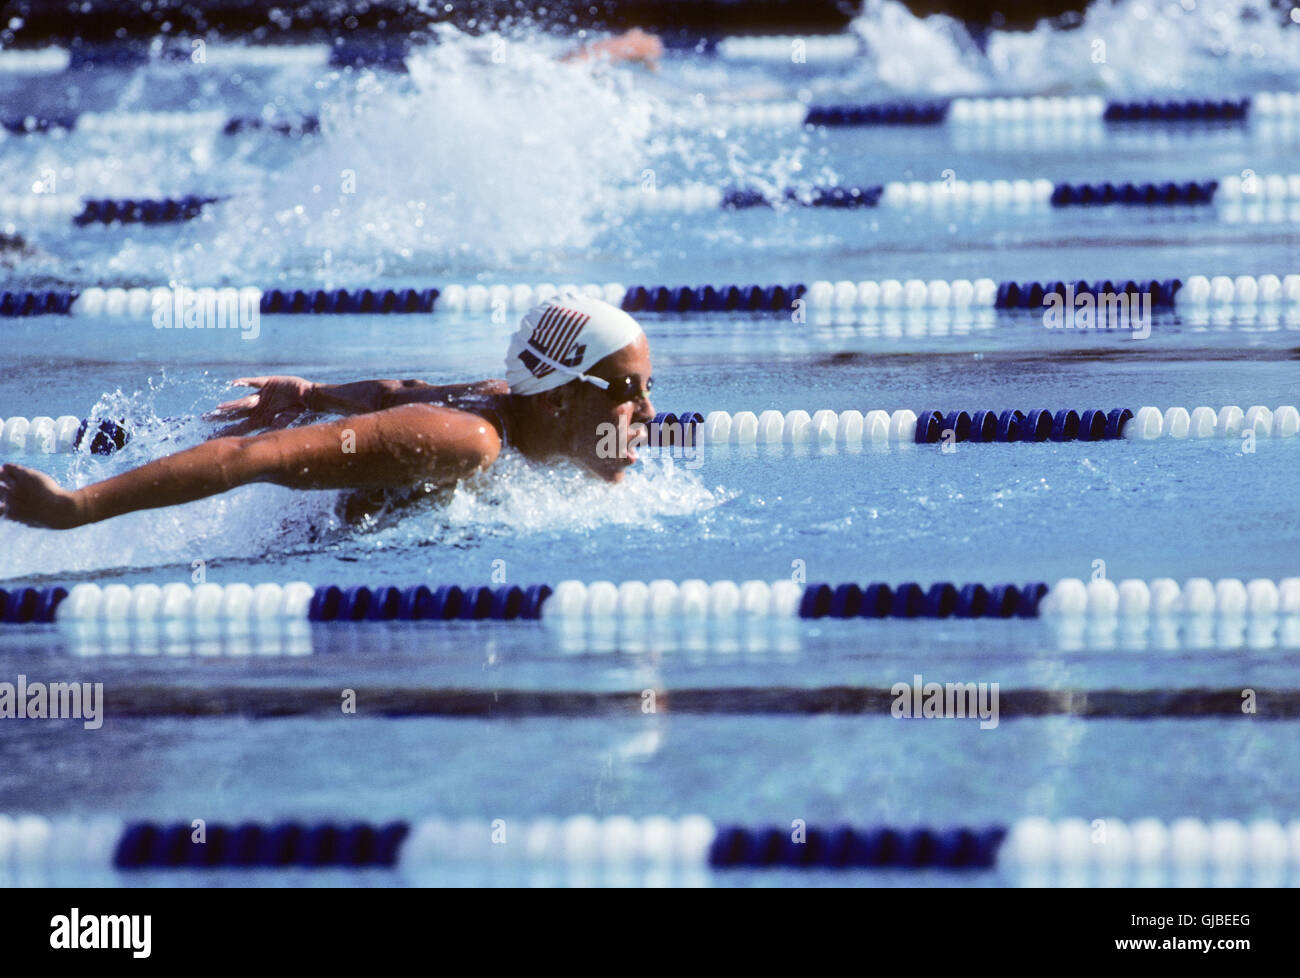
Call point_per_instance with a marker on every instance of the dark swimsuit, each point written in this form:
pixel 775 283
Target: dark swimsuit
pixel 489 407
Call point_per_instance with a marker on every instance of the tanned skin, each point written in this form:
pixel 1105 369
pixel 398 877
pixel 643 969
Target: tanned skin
pixel 401 434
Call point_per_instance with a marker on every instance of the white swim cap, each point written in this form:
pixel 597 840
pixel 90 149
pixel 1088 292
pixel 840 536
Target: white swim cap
pixel 562 338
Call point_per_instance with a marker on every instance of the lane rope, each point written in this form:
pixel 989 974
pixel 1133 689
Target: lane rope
pixel 824 428
pixel 31 842
pixel 1225 193
pixel 270 604
pixel 1231 196
pixel 1108 297
pixel 385 54
pixel 391 53
pixel 962 113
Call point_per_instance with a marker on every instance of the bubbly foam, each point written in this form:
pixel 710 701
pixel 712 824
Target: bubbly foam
pixel 1128 47
pixel 468 162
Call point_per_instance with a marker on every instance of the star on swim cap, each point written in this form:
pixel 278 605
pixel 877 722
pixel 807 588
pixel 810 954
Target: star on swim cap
pixel 563 337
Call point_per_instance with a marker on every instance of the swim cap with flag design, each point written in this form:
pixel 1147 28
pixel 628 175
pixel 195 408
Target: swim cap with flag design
pixel 563 337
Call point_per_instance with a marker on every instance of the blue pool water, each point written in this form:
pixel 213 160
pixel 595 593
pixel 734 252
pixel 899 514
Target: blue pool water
pixel 470 171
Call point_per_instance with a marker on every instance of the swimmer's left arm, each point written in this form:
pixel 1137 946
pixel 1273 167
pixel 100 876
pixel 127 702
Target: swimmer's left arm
pixel 376 395
pixel 279 401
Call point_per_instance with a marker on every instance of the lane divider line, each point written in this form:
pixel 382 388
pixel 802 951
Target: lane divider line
pixel 960 113
pixel 269 604
pixel 1237 195
pixel 1230 192
pixel 1197 292
pixel 33 842
pixel 824 428
pixel 389 53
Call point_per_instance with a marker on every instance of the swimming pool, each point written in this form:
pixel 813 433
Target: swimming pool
pixel 529 720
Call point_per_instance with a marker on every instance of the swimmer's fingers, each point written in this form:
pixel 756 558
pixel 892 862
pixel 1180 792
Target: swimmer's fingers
pixel 32 497
pixel 258 382
pixel 274 396
pixel 241 404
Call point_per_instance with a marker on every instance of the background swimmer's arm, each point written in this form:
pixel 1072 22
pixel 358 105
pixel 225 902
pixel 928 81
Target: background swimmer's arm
pixel 635 45
pixel 399 447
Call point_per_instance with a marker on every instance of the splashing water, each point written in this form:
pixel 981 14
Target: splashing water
pixel 488 153
pixel 907 53
pixel 1124 47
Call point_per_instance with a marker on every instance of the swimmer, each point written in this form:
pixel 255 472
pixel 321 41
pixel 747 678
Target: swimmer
pixel 575 366
pixel 633 46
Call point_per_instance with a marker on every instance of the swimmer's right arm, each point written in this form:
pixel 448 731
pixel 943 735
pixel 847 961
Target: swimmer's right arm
pixel 394 448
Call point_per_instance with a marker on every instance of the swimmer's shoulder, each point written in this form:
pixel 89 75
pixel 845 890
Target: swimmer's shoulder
pixel 463 438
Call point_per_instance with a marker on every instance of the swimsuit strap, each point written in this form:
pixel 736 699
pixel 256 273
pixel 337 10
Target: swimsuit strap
pixel 489 407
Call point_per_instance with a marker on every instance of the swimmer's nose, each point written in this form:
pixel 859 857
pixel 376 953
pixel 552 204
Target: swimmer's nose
pixel 645 410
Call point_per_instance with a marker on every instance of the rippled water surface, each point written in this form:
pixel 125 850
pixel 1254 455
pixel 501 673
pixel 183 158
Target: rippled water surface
pixel 468 169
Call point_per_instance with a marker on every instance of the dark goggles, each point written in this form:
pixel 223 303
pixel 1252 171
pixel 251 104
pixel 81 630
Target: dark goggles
pixel 626 388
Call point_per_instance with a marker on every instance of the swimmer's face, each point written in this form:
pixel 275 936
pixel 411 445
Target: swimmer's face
pixel 593 423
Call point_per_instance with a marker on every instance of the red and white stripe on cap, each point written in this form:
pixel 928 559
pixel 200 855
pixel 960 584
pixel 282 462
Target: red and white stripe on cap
pixel 555 338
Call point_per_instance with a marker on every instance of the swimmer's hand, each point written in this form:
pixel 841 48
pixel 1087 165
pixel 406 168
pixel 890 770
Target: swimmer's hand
pixel 636 45
pixel 279 402
pixel 31 497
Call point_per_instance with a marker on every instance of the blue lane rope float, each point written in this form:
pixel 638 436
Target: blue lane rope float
pixel 1197 291
pixel 838 198
pixel 305 125
pixel 269 603
pixel 167 210
pixel 1177 110
pixel 30 843
pixel 824 428
pixel 877 114
pixel 89 211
